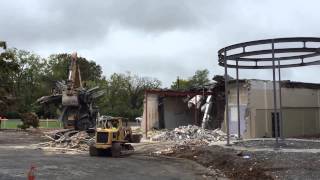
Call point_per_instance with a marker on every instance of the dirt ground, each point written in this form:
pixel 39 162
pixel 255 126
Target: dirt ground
pixel 18 153
pixel 261 162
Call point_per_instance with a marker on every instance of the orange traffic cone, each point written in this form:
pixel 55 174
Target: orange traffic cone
pixel 31 173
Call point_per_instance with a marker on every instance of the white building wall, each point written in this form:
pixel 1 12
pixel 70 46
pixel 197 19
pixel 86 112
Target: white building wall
pixel 233 113
pixel 300 106
pixel 150 112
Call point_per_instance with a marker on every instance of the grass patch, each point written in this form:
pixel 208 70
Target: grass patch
pixel 12 124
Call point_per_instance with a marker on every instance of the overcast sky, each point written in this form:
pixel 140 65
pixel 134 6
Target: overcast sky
pixel 157 38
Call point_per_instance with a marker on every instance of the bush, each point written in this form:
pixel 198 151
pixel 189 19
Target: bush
pixel 29 119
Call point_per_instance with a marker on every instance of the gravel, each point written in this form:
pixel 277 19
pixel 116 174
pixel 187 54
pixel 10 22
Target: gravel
pixel 284 144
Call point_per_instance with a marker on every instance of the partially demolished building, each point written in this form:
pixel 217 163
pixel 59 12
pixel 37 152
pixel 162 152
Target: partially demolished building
pixel 301 106
pixel 300 109
pixel 169 109
pixel 255 108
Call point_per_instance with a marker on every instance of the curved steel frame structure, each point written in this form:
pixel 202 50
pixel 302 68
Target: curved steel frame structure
pixel 250 55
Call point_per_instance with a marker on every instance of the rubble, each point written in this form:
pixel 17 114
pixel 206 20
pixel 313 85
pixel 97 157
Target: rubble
pixel 191 135
pixel 68 140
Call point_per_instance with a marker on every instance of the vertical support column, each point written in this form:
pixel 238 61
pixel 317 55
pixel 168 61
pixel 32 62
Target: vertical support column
pixel 238 100
pixel 226 92
pixel 280 103
pixel 274 95
pixel 146 123
pixel 195 110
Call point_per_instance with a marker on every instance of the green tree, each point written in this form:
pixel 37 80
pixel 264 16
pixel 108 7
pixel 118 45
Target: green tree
pixel 58 65
pixel 136 86
pixel 8 67
pixel 27 79
pixel 181 84
pixel 27 76
pixel 125 93
pixel 199 79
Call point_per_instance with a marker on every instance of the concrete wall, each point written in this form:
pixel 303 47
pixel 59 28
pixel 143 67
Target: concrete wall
pixel 296 121
pixel 301 107
pixel 177 113
pixel 233 113
pixel 300 110
pixel 260 96
pixel 152 114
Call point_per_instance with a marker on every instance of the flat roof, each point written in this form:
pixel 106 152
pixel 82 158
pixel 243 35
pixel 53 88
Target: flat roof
pixel 168 92
pixel 284 83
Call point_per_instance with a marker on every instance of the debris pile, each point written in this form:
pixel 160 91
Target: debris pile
pixel 68 140
pixel 191 135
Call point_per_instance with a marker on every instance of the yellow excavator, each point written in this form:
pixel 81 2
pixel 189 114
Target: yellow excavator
pixel 111 137
pixel 78 109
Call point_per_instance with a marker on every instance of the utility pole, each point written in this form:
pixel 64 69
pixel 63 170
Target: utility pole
pixel 178 82
pixel 3 45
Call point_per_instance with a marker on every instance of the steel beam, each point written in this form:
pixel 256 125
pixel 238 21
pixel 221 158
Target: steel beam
pixel 280 102
pixel 146 123
pixel 288 56
pixel 226 92
pixel 269 41
pixel 274 95
pixel 195 110
pixel 317 62
pixel 238 101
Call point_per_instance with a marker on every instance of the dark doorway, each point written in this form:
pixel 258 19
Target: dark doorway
pixel 273 125
pixel 161 112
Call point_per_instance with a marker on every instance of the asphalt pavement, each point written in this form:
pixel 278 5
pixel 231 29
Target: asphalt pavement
pixel 17 155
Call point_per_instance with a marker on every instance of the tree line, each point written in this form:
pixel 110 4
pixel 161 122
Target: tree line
pixel 26 76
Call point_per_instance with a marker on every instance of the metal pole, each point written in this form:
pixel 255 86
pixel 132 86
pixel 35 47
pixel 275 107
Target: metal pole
pixel 146 123
pixel 238 101
pixel 226 91
pixel 274 95
pixel 280 102
pixel 195 110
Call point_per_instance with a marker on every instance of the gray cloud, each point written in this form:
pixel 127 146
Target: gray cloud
pixel 162 39
pixel 87 21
